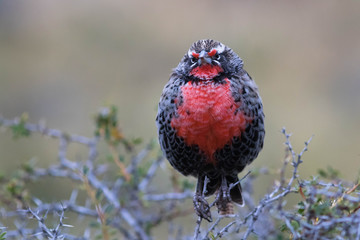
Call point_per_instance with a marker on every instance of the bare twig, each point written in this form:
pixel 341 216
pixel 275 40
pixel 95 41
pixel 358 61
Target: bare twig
pixel 127 205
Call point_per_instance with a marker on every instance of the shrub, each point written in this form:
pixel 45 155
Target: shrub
pixel 126 205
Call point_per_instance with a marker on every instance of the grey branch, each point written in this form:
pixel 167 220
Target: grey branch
pixel 135 209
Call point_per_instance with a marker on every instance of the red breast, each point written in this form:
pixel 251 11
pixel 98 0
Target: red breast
pixel 207 116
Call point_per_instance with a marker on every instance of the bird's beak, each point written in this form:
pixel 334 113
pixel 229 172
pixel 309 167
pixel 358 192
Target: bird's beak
pixel 204 58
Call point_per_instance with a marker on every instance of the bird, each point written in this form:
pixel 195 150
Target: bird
pixel 210 123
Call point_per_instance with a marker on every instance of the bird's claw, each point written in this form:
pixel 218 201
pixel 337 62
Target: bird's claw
pixel 202 207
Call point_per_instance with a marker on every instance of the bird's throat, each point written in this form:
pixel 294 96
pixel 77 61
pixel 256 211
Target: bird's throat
pixel 206 72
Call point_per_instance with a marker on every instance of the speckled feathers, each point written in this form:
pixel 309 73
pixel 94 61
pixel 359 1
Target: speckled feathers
pixel 211 126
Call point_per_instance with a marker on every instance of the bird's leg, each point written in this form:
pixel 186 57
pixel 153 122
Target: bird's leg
pixel 201 206
pixel 225 189
pixel 223 199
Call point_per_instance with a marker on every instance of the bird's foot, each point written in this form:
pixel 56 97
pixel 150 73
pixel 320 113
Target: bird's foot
pixel 223 199
pixel 224 192
pixel 202 207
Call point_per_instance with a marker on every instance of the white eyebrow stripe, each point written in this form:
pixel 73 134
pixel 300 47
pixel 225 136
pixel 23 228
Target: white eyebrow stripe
pixel 220 48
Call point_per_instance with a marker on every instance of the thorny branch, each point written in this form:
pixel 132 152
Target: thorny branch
pixel 75 171
pixel 137 206
pixel 250 221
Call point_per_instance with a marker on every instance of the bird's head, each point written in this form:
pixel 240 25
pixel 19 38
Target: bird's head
pixel 207 59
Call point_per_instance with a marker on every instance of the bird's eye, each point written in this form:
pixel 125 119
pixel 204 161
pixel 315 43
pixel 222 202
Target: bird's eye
pixel 194 57
pixel 217 56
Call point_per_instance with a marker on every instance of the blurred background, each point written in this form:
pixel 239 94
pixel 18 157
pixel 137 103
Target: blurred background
pixel 60 61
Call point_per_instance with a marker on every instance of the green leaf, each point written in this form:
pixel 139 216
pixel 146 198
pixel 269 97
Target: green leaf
pixel 211 235
pixel 85 170
pixel 29 166
pixel 98 194
pixel 20 130
pixel 301 208
pixel 109 209
pixel 322 173
pixel 15 187
pixel 295 225
pixel 2 235
pixel 314 181
pixel 329 173
pixel 283 228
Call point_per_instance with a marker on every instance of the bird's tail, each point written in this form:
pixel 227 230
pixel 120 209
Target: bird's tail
pixel 225 205
pixel 235 192
pixel 225 208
